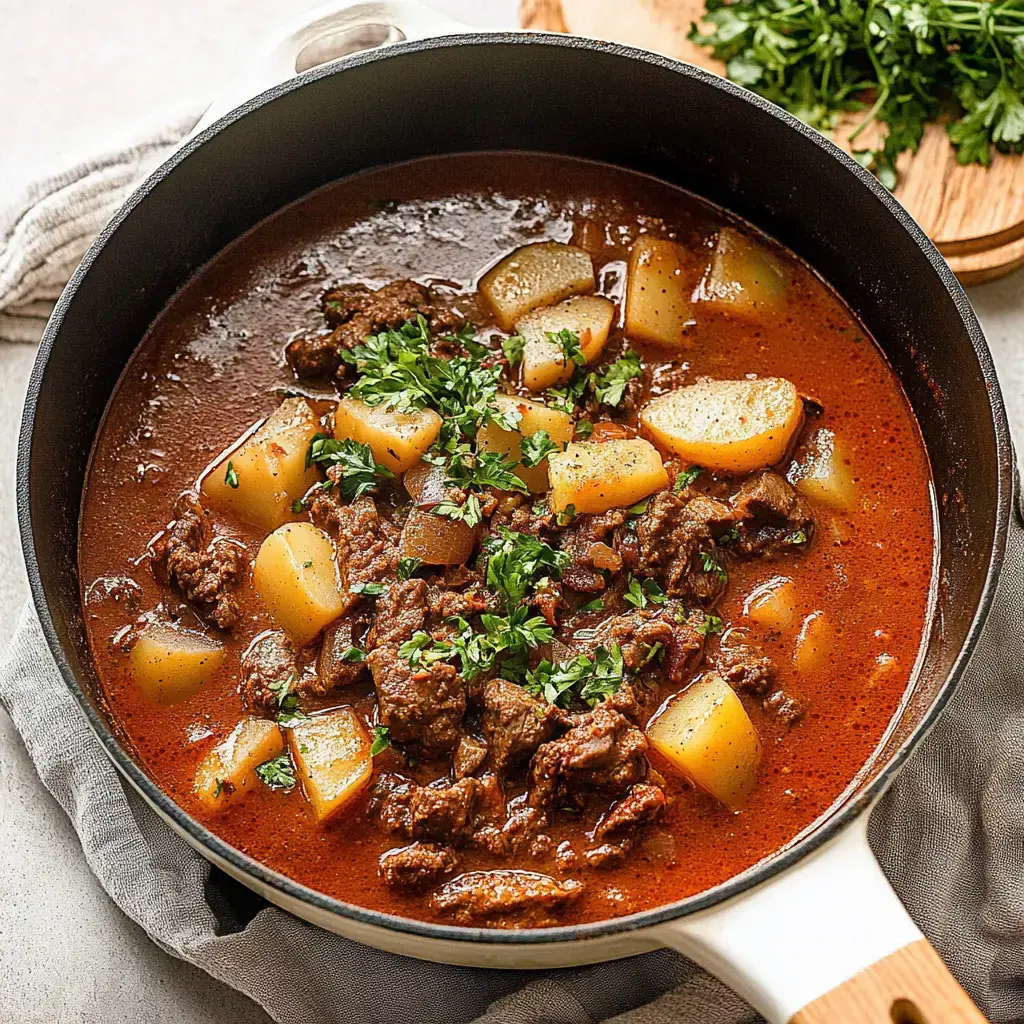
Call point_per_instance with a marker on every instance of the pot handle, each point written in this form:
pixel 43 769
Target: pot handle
pixel 334 30
pixel 826 941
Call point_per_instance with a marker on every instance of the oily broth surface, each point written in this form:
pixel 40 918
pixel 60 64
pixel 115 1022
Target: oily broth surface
pixel 209 367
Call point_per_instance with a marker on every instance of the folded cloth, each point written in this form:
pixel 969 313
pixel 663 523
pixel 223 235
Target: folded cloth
pixel 948 833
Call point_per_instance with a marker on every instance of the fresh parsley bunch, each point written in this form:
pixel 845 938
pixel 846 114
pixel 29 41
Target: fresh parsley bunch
pixel 904 62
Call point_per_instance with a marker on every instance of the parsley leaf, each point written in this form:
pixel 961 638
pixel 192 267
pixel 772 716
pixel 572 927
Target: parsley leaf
pixel 566 516
pixel 584 428
pixel 569 342
pixel 610 385
pixel 536 448
pixel 710 624
pixel 517 560
pixel 469 512
pixel 639 595
pixel 683 480
pixel 588 678
pixel 710 564
pixel 353 655
pixel 381 740
pixel 231 477
pixel 360 472
pixel 407 567
pixel 597 605
pixel 513 349
pixel 278 772
pixel 369 589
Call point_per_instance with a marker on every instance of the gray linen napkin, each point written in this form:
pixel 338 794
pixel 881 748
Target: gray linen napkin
pixel 948 834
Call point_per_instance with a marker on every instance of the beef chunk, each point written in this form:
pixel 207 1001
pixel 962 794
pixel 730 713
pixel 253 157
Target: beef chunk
pixel 203 567
pixel 643 803
pixel 420 706
pixel 515 724
pixel 367 542
pixel 269 671
pixel 401 611
pixel 602 751
pixel 772 517
pixel 416 867
pixel 516 513
pixel 607 855
pixel 443 601
pixel 787 708
pixel 469 755
pixel 741 661
pixel 637 633
pixel 314 354
pixel 505 898
pixel 332 667
pixel 439 813
pixel 677 544
pixel 586 540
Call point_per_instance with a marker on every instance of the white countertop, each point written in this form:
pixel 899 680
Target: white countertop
pixel 74 78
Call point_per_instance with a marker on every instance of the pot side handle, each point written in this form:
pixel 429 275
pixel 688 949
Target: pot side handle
pixel 334 30
pixel 826 941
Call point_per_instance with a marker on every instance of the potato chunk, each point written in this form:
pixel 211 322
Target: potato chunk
pixel 229 769
pixel 825 473
pixel 539 274
pixel 535 416
pixel 814 643
pixel 397 439
pixel 707 734
pixel 772 604
pixel 658 305
pixel 589 317
pixel 268 471
pixel 297 578
pixel 170 664
pixel 332 757
pixel 744 280
pixel 730 425
pixel 594 476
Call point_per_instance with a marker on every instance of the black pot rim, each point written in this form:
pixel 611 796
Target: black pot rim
pixel 839 819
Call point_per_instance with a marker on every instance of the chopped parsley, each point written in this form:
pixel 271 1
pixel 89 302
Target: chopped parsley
pixel 353 655
pixel 710 564
pixel 469 512
pixel 367 589
pixel 278 772
pixel 610 385
pixel 381 740
pixel 536 448
pixel 308 564
pixel 710 624
pixel 513 349
pixel 569 342
pixel 231 477
pixel 299 505
pixel 683 480
pixel 597 605
pixel 360 472
pixel 515 561
pixel 640 594
pixel 407 567
pixel 589 679
pixel 584 428
pixel 639 508
pixel 479 470
pixel 797 537
pixel 566 516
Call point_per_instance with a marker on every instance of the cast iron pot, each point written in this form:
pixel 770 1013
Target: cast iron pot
pixel 817 923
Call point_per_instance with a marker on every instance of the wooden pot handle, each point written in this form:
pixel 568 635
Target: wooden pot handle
pixel 910 986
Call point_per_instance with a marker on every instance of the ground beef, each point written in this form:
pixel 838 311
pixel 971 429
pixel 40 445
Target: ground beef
pixel 203 567
pixel 639 632
pixel 677 541
pixel 741 661
pixel 505 898
pixel 367 541
pixel 438 813
pixel 772 517
pixel 419 706
pixel 515 724
pixel 333 668
pixel 602 751
pixel 416 867
pixel 588 537
pixel 269 671
pixel 469 756
pixel 643 803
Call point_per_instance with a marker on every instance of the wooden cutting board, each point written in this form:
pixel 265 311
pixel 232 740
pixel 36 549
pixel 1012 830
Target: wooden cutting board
pixel 974 214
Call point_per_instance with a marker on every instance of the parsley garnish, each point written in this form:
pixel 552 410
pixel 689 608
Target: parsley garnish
pixel 469 512
pixel 536 448
pixel 639 508
pixel 597 605
pixel 407 567
pixel 513 349
pixel 797 537
pixel 479 470
pixel 640 594
pixel 368 589
pixel 683 480
pixel 584 428
pixel 299 505
pixel 517 560
pixel 566 516
pixel 610 386
pixel 710 624
pixel 569 342
pixel 353 655
pixel 308 565
pixel 231 477
pixel 709 564
pixel 278 772
pixel 381 740
pixel 360 472
pixel 588 678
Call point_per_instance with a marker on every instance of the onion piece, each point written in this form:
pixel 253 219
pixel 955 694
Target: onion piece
pixel 425 484
pixel 436 540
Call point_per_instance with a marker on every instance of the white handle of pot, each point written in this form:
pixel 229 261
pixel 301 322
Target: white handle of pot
pixel 329 32
pixel 825 942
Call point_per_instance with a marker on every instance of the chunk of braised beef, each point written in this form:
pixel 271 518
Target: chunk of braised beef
pixel 515 724
pixel 367 541
pixel 469 756
pixel 505 898
pixel 517 513
pixel 607 855
pixel 314 354
pixel 741 661
pixel 603 751
pixel 341 661
pixel 420 706
pixel 787 708
pixel 444 601
pixel 416 867
pixel 677 540
pixel 269 671
pixel 549 599
pixel 642 804
pixel 643 634
pixel 588 539
pixel 401 610
pixel 772 517
pixel 205 568
pixel 438 813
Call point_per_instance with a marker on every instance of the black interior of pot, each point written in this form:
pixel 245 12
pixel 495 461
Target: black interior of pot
pixel 532 93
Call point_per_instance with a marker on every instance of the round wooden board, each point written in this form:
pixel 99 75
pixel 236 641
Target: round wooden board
pixel 974 214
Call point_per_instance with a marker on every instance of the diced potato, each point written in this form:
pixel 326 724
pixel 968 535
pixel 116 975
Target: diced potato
pixel 436 540
pixel 397 439
pixel 229 769
pixel 594 476
pixel 297 579
pixel 332 756
pixel 535 416
pixel 814 643
pixel 744 280
pixel 730 425
pixel 825 474
pixel 589 317
pixel 707 734
pixel 269 470
pixel 539 274
pixel 772 604
pixel 170 664
pixel 658 305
